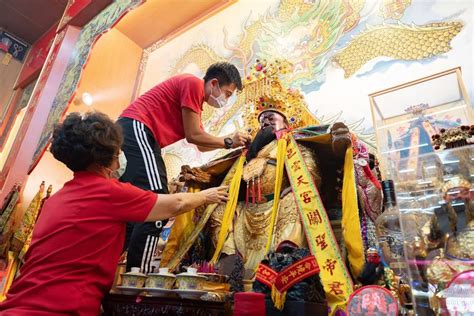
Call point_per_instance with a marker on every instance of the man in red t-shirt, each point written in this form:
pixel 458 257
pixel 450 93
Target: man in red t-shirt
pixel 167 113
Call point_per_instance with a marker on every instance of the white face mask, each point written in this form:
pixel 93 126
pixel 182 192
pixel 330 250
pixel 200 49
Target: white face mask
pixel 221 100
pixel 122 166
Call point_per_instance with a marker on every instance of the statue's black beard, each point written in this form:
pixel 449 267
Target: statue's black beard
pixel 264 137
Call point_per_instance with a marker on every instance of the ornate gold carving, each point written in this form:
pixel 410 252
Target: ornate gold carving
pixel 254 169
pixel 265 92
pixel 453 137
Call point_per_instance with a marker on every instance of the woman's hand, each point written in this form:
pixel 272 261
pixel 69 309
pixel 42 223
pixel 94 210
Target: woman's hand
pixel 216 195
pixel 169 205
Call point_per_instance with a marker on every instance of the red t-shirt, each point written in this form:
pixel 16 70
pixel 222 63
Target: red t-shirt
pixel 76 245
pixel 160 108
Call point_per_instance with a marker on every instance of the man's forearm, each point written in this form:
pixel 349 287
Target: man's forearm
pixel 205 149
pixel 206 140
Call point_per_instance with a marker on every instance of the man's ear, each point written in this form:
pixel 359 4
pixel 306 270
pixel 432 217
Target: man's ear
pixel 214 81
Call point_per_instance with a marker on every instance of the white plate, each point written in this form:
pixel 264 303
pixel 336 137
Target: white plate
pixel 190 294
pixel 127 290
pixel 153 291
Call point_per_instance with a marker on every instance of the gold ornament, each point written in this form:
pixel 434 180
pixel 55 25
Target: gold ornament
pixel 453 137
pixel 263 92
pixel 455 183
pixel 440 272
pixel 462 246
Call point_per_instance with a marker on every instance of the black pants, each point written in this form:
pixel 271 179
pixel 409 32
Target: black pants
pixel 146 170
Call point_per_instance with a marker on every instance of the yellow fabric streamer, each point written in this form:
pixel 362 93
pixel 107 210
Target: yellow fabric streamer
pixel 177 253
pixel 183 226
pixel 350 217
pixel 229 208
pixel 281 151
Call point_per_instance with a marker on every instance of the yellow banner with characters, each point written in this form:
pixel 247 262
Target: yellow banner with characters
pixel 321 240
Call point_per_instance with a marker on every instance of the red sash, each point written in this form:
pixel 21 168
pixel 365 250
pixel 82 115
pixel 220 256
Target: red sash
pixel 279 283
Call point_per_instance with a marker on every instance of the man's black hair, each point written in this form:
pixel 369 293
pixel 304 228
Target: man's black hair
pixel 225 73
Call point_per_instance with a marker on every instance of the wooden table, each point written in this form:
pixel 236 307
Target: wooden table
pixel 132 305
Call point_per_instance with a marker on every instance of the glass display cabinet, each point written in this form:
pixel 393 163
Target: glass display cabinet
pixel 424 133
pixel 435 200
pixel 406 116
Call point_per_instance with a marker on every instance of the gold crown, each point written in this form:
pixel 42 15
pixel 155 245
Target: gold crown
pixel 455 183
pixel 264 92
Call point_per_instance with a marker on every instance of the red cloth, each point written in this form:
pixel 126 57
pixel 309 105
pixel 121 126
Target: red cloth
pixel 76 245
pixel 160 109
pixel 249 304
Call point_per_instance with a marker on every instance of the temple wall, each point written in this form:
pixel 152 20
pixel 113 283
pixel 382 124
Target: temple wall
pixel 31 135
pixel 109 76
pixel 381 46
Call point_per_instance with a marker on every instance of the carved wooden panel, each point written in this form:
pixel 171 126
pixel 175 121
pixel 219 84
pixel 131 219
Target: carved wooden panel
pixel 127 305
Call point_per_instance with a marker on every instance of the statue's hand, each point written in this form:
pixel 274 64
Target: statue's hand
pixel 216 195
pixel 341 139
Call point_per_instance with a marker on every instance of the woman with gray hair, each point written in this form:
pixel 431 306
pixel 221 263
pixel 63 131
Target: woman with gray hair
pixel 79 235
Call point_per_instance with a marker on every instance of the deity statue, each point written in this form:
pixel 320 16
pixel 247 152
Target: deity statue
pixel 300 182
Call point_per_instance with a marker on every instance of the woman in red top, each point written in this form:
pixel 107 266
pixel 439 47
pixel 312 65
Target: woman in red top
pixel 79 235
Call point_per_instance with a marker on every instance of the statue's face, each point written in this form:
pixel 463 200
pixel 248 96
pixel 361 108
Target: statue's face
pixel 273 119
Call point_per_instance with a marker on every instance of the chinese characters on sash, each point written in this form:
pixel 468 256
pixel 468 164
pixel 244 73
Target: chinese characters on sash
pixel 323 245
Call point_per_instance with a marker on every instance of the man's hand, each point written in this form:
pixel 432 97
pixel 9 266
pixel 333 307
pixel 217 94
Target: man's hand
pixel 216 195
pixel 241 139
pixel 205 142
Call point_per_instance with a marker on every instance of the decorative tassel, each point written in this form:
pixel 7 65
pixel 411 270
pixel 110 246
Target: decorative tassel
pixel 253 191
pixel 250 191
pixel 278 298
pixel 247 195
pixel 259 190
